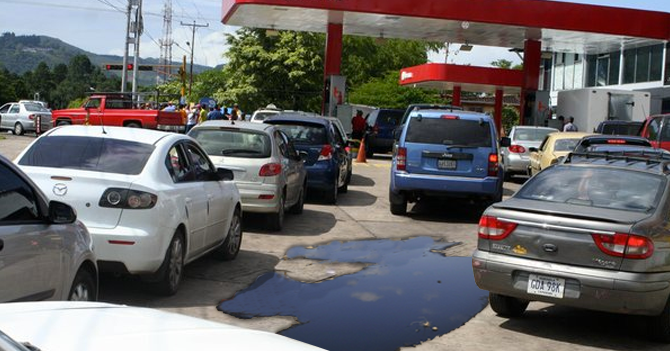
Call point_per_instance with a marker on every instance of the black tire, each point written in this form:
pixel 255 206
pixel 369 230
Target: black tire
pixel 330 195
pixel 133 125
pixel 276 220
pixel 63 123
pixel 344 188
pixel 231 246
pixel 369 151
pixel 506 306
pixel 398 204
pixel 172 269
pixel 348 181
pixel 300 205
pixel 18 129
pixel 83 287
pixel 507 176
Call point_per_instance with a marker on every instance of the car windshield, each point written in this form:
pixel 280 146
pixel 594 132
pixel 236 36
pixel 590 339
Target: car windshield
pixel 34 107
pixel 304 133
pixel 262 116
pixel 233 142
pixel 525 134
pixel 88 153
pixel 442 131
pixel 596 187
pixel 565 144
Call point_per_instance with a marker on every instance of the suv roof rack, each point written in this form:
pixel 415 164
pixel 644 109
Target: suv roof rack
pixel 651 159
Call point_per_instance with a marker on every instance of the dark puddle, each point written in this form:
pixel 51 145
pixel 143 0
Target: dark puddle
pixel 395 302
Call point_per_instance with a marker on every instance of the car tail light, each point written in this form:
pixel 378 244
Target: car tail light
pixel 517 149
pixel 270 170
pixel 624 245
pixel 401 159
pixel 31 117
pixel 493 165
pixel 127 199
pixel 266 197
pixel 449 117
pixel 326 153
pixel 616 141
pixel 491 228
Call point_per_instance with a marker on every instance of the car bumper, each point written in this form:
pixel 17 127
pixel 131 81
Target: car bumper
pixel 171 128
pixel 139 251
pixel 517 163
pixel 250 195
pixel 321 175
pixel 588 288
pixel 447 185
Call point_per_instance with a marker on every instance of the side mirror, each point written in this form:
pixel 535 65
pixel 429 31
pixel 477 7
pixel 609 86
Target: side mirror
pixel 61 213
pixel 533 149
pixel 225 174
pixel 505 142
pixel 303 155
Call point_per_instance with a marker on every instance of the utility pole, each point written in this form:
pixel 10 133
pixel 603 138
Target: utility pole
pixel 134 29
pixel 193 27
pixel 166 44
pixel 124 74
pixel 139 28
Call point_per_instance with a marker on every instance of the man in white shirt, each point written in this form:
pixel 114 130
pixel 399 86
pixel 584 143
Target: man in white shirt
pixel 570 126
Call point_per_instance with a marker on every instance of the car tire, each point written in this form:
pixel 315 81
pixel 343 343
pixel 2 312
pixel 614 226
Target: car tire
pixel 83 287
pixel 231 246
pixel 18 129
pixel 63 123
pixel 507 176
pixel 300 205
pixel 507 306
pixel 172 269
pixel 398 204
pixel 276 220
pixel 330 195
pixel 133 125
pixel 348 181
pixel 344 188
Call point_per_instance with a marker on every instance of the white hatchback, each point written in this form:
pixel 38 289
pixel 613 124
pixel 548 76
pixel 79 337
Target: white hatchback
pixel 152 201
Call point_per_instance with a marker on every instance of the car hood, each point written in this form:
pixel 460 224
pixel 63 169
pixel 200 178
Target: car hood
pixel 73 326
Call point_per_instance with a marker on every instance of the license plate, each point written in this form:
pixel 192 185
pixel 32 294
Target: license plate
pixel 546 286
pixel 446 164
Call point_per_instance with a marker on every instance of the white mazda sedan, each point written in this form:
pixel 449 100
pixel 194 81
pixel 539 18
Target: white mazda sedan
pixel 152 201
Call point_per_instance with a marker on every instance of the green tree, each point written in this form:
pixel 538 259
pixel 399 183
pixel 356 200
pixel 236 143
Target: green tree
pixel 386 92
pixel 506 64
pixel 510 118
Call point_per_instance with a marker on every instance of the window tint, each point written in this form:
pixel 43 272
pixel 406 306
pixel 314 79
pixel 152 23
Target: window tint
pixel 565 144
pixel 5 108
pixel 339 138
pixel 33 107
pixel 653 129
pixel 283 148
pixel 596 187
pixel 94 103
pixel 389 117
pixel 88 153
pixel 304 133
pixel 17 199
pixel 15 109
pixel 200 164
pixel 449 132
pixel 233 142
pixel 118 104
pixel 523 134
pixel 177 165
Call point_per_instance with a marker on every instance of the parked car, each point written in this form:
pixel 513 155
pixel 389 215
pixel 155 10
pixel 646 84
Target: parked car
pixel 616 127
pixel 591 233
pixel 269 172
pixel 79 326
pixel 21 117
pixel 153 201
pixel 611 140
pixel 553 146
pixel 345 141
pixel 261 115
pixel 413 108
pixel 45 253
pixel 327 160
pixel 516 157
pixel 446 154
pixel 379 134
pixel 657 130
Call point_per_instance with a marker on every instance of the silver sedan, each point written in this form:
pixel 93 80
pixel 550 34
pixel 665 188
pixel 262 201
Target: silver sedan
pixel 269 173
pixel 516 157
pixel 24 116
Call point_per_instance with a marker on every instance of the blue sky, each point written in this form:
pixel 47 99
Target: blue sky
pixel 96 26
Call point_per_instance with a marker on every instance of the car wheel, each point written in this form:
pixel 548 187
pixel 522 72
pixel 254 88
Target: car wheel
pixel 398 204
pixel 344 188
pixel 300 205
pixel 277 219
pixel 172 269
pixel 348 177
pixel 133 125
pixel 83 287
pixel 506 306
pixel 18 129
pixel 231 246
pixel 330 195
pixel 63 123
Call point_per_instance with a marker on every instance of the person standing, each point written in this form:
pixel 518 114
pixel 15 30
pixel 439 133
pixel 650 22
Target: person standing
pixel 358 126
pixel 203 113
pixel 215 113
pixel 236 113
pixel 570 126
pixel 192 118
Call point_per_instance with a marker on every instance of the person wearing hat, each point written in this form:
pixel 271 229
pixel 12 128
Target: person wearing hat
pixel 358 126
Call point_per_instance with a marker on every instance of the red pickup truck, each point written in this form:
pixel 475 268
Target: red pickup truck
pixel 117 110
pixel 657 130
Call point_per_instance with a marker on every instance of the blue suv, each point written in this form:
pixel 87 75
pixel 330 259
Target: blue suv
pixel 446 153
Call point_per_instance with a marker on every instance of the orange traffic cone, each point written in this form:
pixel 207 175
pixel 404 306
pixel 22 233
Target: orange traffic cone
pixel 361 153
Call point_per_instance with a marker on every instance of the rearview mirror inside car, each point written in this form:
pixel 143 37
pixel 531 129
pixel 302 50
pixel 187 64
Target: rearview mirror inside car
pixel 505 142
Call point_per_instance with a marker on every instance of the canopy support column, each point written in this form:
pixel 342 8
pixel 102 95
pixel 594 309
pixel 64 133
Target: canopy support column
pixel 531 76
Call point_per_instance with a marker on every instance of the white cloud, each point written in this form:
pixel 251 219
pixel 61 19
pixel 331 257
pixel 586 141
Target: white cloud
pixel 366 296
pixel 481 56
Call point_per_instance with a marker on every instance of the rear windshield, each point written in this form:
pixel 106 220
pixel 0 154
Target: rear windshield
pixel 622 129
pixel 89 154
pixel 565 144
pixel 596 187
pixel 449 132
pixel 304 133
pixel 233 142
pixel 262 116
pixel 34 107
pixel 533 134
pixel 613 141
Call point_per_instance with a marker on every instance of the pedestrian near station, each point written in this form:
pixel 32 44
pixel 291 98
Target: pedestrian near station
pixel 358 126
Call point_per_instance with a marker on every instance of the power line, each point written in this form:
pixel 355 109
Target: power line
pixel 105 2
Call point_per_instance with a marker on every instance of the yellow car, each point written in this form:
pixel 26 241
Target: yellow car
pixel 553 146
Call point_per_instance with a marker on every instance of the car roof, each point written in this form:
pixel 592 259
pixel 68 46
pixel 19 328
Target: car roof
pixel 140 135
pixel 603 137
pixel 568 135
pixel 289 117
pixel 653 161
pixel 233 124
pixel 534 127
pixel 619 122
pixel 433 113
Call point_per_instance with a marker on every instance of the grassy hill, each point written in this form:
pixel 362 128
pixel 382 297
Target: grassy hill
pixel 19 54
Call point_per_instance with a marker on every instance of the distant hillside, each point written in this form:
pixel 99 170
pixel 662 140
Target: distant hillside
pixel 20 54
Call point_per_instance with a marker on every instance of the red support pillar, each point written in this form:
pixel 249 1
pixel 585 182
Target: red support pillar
pixel 531 76
pixel 497 113
pixel 333 60
pixel 456 96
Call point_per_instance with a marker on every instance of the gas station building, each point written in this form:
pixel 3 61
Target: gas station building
pixel 564 45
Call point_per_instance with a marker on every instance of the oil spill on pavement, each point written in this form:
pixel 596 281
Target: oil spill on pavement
pixel 407 296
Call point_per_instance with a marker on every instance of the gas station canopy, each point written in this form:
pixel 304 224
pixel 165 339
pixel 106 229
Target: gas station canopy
pixel 469 78
pixel 559 26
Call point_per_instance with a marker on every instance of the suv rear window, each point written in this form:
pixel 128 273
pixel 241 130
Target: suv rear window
pixel 304 133
pixel 449 132
pixel 596 187
pixel 89 154
pixel 233 142
pixel 622 129
pixel 385 117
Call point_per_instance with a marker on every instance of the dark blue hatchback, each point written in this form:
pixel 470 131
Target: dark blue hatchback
pixel 323 149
